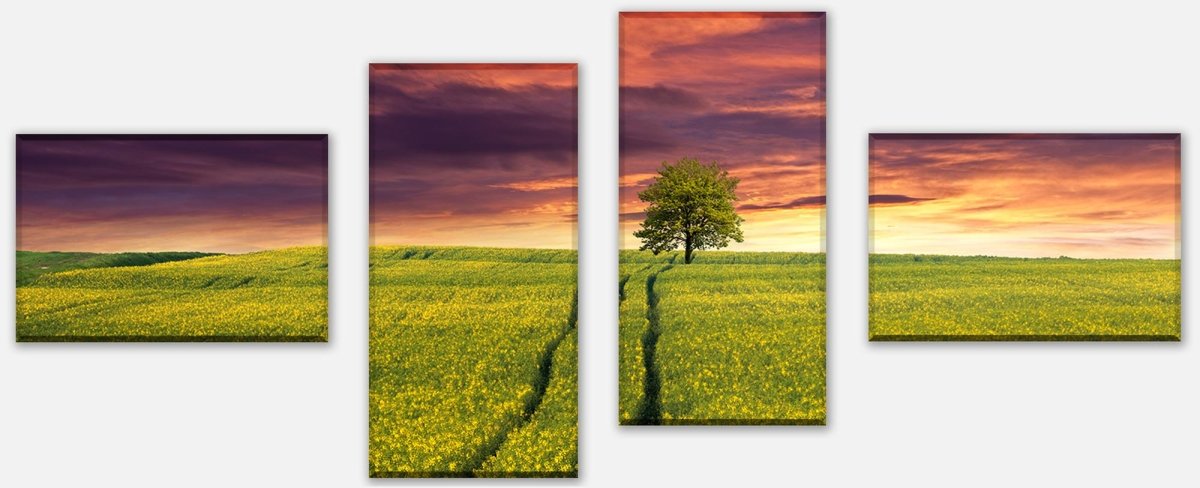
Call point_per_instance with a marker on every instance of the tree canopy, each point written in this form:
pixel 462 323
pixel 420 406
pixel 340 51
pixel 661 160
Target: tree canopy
pixel 690 205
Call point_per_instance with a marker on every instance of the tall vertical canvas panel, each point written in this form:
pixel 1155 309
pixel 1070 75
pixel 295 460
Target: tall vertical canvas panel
pixel 1025 237
pixel 473 270
pixel 722 267
pixel 171 238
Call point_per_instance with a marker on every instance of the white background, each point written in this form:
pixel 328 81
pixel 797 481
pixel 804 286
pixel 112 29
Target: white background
pixel 1070 414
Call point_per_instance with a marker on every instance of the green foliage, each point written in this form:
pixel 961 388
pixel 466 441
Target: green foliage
pixel 462 341
pixel 740 339
pixel 690 205
pixel 31 264
pixel 266 296
pixel 929 297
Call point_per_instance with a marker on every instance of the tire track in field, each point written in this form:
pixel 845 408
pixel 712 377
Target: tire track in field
pixel 625 280
pixel 540 384
pixel 651 409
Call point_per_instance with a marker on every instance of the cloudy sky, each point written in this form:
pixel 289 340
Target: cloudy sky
pixel 474 154
pixel 170 193
pixel 744 89
pixel 1086 196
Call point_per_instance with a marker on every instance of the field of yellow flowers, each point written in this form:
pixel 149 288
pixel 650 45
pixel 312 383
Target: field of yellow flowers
pixel 473 363
pixel 926 297
pixel 732 338
pixel 277 295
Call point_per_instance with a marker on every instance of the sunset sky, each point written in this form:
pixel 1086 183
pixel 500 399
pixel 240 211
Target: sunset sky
pixel 744 89
pixel 474 154
pixel 228 194
pixel 1084 195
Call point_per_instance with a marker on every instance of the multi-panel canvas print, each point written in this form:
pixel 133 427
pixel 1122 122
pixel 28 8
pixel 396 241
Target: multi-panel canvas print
pixel 722 271
pixel 473 361
pixel 1008 237
pixel 171 238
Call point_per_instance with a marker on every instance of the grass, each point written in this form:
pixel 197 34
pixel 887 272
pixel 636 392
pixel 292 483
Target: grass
pixel 473 363
pixel 275 295
pixel 952 298
pixel 733 338
pixel 32 264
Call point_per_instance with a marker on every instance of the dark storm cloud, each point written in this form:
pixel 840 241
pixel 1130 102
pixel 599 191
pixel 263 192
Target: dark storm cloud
pixel 759 125
pixel 465 125
pixel 894 199
pixel 167 189
pixel 462 147
pixel 803 202
pixel 85 161
pixel 1006 152
pixel 660 95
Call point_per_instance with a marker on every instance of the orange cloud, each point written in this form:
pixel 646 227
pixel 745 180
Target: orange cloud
pixel 744 89
pixel 1098 196
pixel 539 185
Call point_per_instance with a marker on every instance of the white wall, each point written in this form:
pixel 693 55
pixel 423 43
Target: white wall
pixel 295 415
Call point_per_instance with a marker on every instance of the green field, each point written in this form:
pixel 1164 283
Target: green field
pixel 277 295
pixel 31 264
pixel 473 363
pixel 929 298
pixel 732 338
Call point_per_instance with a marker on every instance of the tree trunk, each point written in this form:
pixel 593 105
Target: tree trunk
pixel 687 248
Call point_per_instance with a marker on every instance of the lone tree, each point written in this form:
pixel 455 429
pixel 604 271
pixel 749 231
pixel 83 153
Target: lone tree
pixel 691 204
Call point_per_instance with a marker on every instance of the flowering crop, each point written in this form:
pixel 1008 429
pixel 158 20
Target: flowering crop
pixel 472 361
pixel 633 328
pixel 275 295
pixel 921 297
pixel 547 444
pixel 733 338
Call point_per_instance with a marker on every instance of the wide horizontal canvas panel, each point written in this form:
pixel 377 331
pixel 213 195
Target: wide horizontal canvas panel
pixel 171 238
pixel 1025 237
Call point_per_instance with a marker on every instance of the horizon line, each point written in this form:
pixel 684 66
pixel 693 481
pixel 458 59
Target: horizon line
pixel 1062 256
pixel 175 250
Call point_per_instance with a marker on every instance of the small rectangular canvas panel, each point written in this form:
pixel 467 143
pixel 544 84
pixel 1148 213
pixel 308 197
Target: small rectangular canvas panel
pixel 473 363
pixel 722 271
pixel 171 238
pixel 1025 237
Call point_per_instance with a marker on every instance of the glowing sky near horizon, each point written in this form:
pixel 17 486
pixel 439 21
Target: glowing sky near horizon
pixel 1083 196
pixel 746 90
pixel 474 154
pixel 228 194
